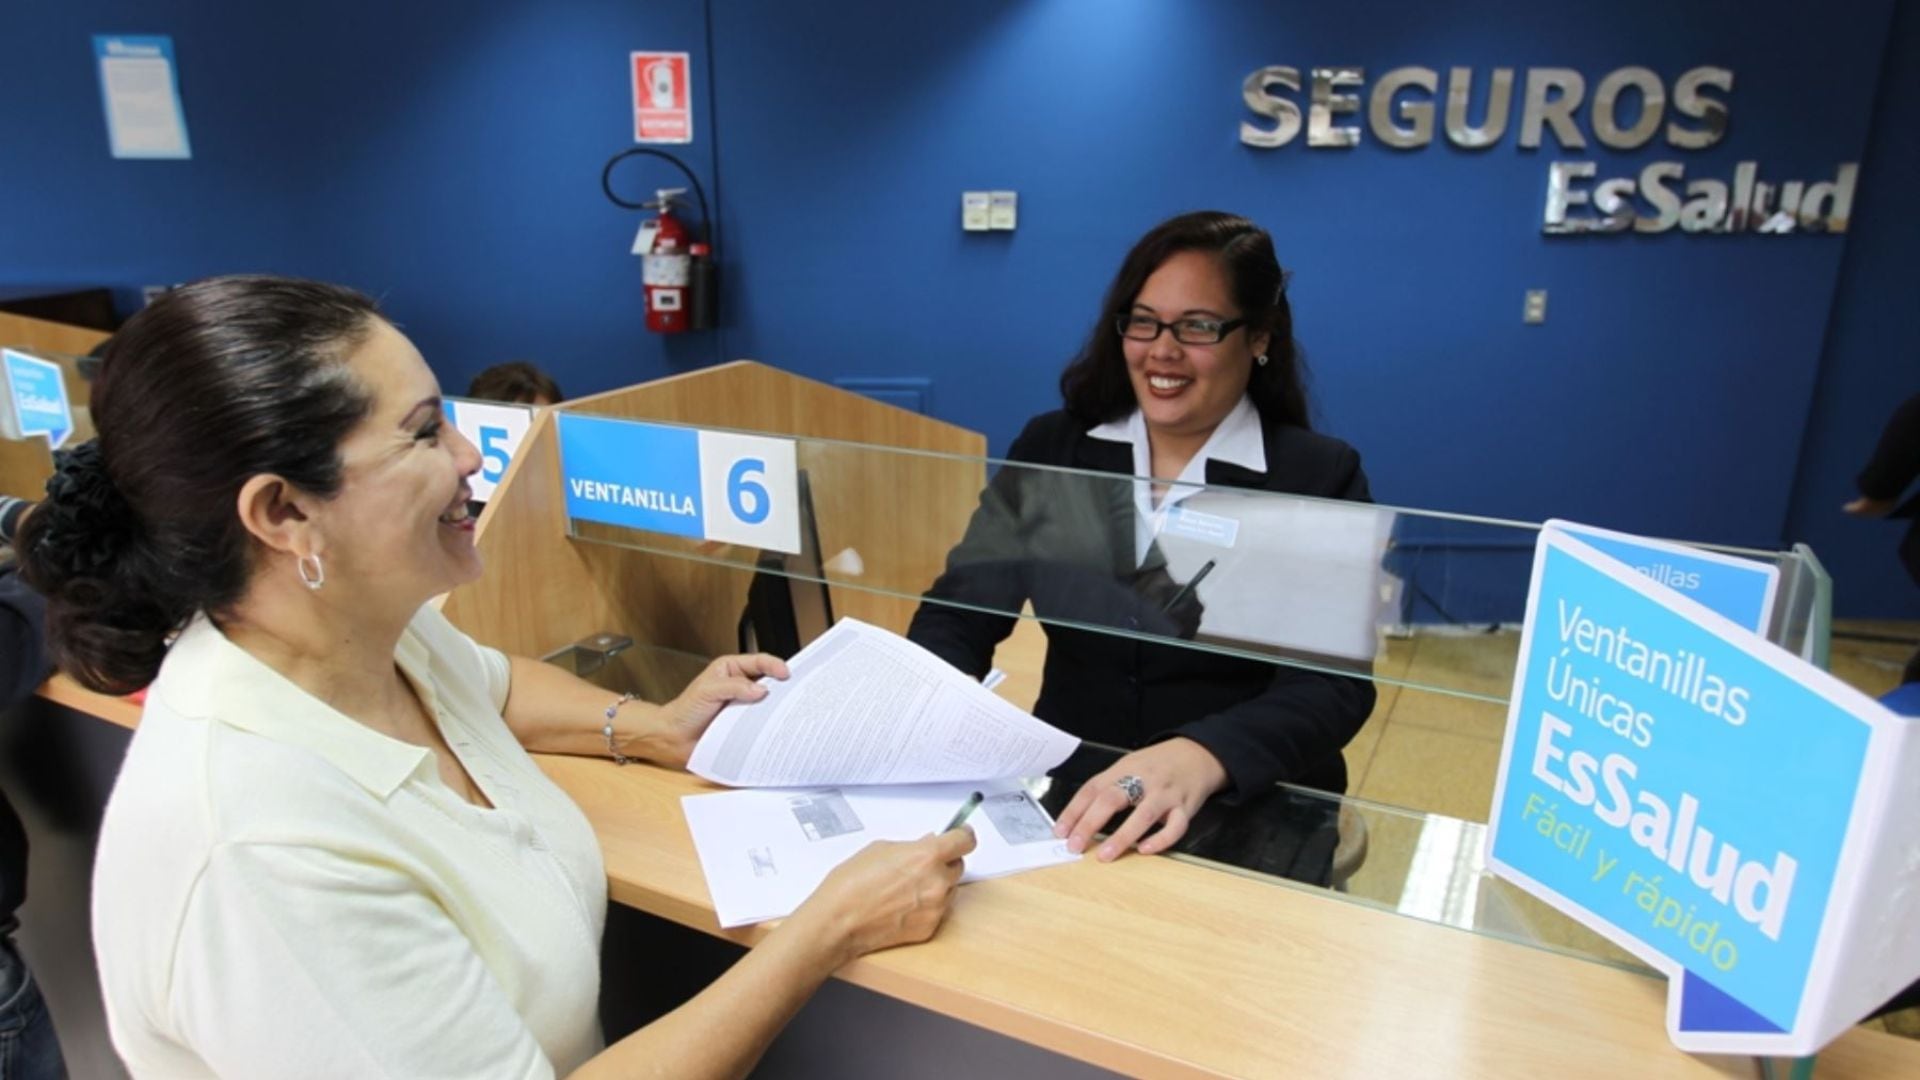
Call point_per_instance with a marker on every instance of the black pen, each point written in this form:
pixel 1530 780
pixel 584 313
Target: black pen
pixel 1192 584
pixel 966 810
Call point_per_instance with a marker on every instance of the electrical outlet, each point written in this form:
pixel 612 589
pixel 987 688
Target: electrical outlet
pixel 1535 311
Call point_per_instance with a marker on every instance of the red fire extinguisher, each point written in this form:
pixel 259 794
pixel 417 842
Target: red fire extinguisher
pixel 678 272
pixel 668 268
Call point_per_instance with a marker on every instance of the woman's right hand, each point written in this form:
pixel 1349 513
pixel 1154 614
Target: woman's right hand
pixel 891 893
pixel 1866 507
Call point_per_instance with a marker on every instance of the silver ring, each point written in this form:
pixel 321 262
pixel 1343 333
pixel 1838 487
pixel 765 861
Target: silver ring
pixel 1135 788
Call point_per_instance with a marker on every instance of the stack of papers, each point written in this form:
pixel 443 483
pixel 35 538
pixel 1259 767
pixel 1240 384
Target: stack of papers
pixel 872 738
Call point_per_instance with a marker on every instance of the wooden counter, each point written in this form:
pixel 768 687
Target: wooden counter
pixel 1153 967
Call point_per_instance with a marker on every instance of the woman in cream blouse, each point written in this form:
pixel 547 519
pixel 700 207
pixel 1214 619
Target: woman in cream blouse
pixel 328 853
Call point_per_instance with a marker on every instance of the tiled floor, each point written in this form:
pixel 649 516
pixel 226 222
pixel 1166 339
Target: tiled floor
pixel 1438 753
pixel 1429 750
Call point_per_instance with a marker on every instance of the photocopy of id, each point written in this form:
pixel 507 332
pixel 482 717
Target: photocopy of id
pixel 872 738
pixel 764 851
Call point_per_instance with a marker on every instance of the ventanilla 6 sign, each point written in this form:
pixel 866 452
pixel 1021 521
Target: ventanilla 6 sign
pixel 1627 109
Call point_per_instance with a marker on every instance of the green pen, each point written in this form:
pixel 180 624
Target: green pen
pixel 966 810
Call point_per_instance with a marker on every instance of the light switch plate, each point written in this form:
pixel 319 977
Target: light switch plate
pixel 976 211
pixel 1535 311
pixel 1005 210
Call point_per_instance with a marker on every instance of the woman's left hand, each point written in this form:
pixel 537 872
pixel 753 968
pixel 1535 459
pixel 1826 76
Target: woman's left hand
pixel 727 679
pixel 1177 776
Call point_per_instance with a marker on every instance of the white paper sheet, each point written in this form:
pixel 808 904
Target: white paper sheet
pixel 765 851
pixel 866 706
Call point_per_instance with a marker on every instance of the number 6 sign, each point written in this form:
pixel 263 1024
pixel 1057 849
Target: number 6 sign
pixel 716 485
pixel 747 485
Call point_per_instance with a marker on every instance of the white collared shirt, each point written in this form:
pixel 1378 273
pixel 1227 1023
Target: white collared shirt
pixel 1237 440
pixel 282 891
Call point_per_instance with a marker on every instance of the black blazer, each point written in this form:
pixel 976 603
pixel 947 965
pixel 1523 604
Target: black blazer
pixel 1065 542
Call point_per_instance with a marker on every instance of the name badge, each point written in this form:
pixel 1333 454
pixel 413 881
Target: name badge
pixel 1201 526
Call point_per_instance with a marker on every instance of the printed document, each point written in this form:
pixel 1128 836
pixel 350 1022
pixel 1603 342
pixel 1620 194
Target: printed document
pixel 871 738
pixel 866 706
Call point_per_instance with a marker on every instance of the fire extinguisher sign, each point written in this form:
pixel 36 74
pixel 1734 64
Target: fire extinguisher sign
pixel 662 98
pixel 714 485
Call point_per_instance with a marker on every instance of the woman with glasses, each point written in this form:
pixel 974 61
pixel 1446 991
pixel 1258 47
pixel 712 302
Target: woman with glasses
pixel 1190 376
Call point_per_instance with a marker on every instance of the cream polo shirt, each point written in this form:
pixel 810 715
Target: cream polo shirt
pixel 1237 440
pixel 281 891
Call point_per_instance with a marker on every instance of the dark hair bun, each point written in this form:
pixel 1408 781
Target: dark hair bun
pixel 85 525
pixel 82 549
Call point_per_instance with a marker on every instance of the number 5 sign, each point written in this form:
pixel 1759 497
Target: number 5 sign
pixel 716 485
pixel 496 430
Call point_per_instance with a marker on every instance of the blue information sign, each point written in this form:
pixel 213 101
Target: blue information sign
pixel 714 485
pixel 37 397
pixel 1683 787
pixel 642 476
pixel 1740 589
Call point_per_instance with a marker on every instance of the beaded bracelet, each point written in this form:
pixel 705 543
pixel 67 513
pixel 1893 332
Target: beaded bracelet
pixel 613 748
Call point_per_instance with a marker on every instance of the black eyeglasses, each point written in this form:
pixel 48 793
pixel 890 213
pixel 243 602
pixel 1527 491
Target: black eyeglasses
pixel 1188 331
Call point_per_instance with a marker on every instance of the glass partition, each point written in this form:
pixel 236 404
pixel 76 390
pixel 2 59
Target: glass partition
pixel 1803 619
pixel 1425 866
pixel 974 557
pixel 953 547
pixel 987 561
pixel 1422 865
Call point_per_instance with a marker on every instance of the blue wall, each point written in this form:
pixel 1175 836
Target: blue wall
pixel 1671 368
pixel 446 156
pixel 1872 358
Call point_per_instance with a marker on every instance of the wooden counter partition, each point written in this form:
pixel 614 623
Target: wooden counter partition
pixel 23 332
pixel 544 590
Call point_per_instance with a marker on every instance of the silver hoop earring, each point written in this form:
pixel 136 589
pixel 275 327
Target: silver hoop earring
pixel 1261 359
pixel 314 578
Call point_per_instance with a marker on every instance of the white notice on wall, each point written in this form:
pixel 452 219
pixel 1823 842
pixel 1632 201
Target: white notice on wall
pixel 142 96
